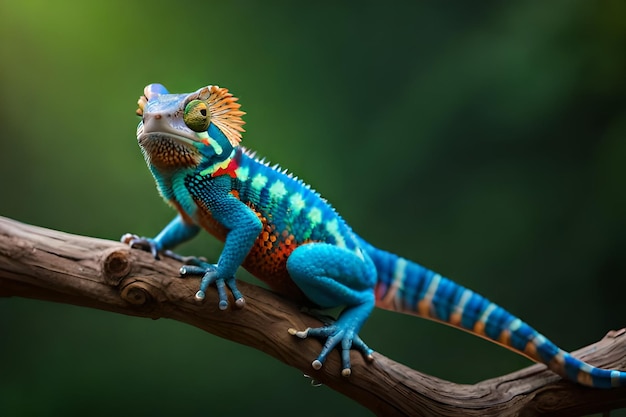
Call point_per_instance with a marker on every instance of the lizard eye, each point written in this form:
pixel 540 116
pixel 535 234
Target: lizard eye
pixel 196 116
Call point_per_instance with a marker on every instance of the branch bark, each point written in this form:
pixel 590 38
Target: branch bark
pixel 55 266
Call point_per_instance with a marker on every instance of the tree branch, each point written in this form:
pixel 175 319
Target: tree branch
pixel 50 265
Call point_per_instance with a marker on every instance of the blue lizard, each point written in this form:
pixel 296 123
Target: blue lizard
pixel 285 234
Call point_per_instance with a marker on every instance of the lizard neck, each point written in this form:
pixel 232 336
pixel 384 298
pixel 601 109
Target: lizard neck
pixel 227 166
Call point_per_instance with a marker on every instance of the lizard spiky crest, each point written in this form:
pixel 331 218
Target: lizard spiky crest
pixel 224 110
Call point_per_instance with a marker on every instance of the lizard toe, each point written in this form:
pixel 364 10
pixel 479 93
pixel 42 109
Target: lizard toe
pixel 210 276
pixel 336 337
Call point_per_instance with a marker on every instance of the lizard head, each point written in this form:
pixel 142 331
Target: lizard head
pixel 186 130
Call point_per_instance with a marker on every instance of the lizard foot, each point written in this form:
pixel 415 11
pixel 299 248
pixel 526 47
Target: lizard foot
pixel 144 243
pixel 335 335
pixel 209 275
pixel 150 245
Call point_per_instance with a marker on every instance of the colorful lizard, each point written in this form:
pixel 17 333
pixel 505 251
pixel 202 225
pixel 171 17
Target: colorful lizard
pixel 285 234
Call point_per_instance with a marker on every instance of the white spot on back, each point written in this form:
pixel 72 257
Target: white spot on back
pixel 278 190
pixel 333 228
pixel 242 173
pixel 539 341
pixel 259 181
pixel 515 325
pixel 296 203
pixel 315 216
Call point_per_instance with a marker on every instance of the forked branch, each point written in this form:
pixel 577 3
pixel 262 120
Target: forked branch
pixel 50 265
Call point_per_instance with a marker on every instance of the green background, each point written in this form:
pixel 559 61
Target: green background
pixel 485 140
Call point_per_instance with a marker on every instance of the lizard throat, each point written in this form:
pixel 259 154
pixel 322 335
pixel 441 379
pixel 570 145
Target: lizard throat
pixel 165 152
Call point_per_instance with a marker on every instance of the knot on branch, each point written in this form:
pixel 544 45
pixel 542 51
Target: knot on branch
pixel 116 265
pixel 137 293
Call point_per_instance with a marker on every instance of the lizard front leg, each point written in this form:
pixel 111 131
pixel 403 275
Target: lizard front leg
pixel 175 233
pixel 242 227
pixel 331 276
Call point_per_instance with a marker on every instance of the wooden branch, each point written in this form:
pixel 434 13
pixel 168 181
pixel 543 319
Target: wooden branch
pixel 50 265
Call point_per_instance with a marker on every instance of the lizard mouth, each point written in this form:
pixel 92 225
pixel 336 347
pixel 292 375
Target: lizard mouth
pixel 143 136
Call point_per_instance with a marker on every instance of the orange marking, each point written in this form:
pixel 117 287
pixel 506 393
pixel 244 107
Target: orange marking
pixel 479 328
pixel 584 379
pixel 455 319
pixel 531 350
pixel 557 364
pixel 505 337
pixel 423 307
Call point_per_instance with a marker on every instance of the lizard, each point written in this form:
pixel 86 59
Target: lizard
pixel 285 234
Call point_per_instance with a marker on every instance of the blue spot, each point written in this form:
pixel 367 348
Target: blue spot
pixel 445 298
pixel 416 281
pixel 473 309
pixel 496 322
pixel 521 336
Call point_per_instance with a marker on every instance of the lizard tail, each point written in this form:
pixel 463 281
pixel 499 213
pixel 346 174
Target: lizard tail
pixel 407 287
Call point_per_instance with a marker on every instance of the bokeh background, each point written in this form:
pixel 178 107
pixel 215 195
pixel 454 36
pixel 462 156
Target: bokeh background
pixel 485 140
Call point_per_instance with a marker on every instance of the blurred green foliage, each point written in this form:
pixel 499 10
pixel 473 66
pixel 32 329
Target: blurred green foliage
pixel 485 140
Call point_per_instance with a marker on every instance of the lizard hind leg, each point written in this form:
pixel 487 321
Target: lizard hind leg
pixel 332 276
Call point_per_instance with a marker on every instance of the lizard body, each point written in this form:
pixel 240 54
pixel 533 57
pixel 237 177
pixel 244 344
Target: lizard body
pixel 288 236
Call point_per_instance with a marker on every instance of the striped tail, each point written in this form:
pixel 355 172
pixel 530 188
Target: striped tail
pixel 407 287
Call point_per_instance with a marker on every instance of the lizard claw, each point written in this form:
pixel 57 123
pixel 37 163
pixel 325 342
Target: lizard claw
pixel 209 276
pixel 144 243
pixel 336 336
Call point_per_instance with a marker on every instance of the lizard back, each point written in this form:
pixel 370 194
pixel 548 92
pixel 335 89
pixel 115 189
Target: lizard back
pixel 292 214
